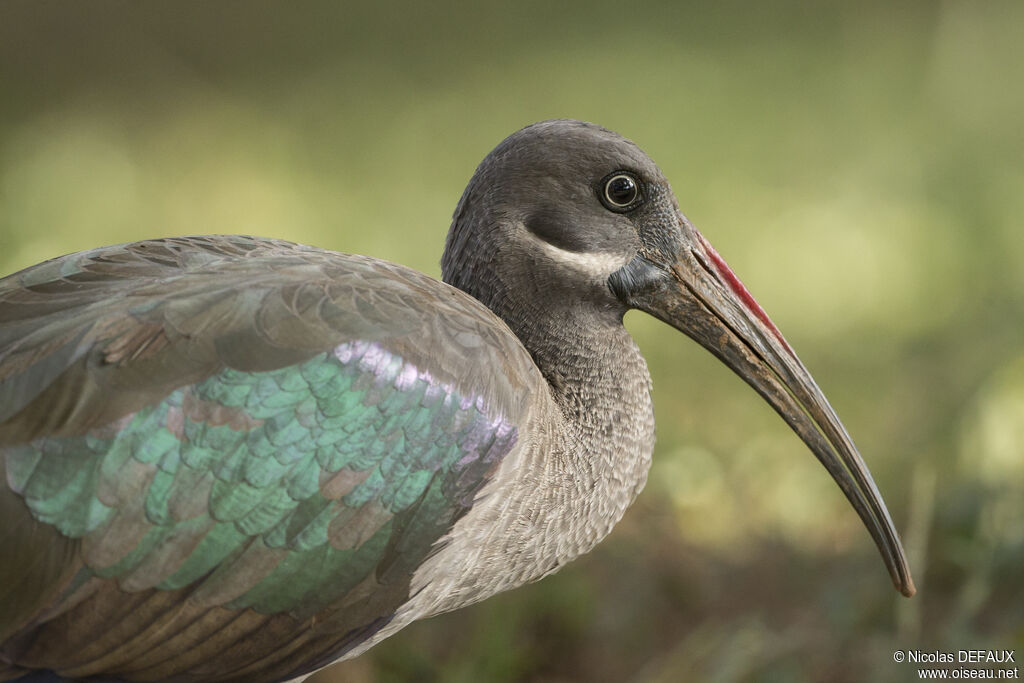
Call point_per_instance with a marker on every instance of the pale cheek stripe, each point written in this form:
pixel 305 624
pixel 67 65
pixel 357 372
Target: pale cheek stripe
pixel 597 263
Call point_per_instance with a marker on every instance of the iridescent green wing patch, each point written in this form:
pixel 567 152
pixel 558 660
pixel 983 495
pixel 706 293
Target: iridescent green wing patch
pixel 278 490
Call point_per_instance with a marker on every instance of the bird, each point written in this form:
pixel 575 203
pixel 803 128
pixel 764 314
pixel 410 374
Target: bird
pixel 235 458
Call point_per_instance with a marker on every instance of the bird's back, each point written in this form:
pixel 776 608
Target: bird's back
pixel 226 456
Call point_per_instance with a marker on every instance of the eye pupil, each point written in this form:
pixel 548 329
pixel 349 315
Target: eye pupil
pixel 621 190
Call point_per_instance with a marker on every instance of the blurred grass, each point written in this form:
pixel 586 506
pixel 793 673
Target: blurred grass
pixel 860 165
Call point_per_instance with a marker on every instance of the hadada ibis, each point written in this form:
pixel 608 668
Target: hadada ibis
pixel 238 458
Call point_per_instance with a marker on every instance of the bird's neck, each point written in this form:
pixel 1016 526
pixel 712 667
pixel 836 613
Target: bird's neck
pixel 584 457
pixel 600 390
pixel 597 379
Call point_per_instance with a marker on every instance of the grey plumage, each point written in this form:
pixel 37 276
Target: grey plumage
pixel 541 264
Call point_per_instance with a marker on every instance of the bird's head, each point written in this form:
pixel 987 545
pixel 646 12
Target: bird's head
pixel 570 216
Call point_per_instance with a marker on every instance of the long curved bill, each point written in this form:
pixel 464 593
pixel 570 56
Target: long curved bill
pixel 705 300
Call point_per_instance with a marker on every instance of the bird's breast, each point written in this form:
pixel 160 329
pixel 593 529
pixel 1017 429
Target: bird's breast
pixel 582 458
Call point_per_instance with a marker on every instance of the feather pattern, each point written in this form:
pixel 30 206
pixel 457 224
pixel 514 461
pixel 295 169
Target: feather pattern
pixel 242 448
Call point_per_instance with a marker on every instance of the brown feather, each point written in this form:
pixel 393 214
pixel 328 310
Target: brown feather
pixel 89 340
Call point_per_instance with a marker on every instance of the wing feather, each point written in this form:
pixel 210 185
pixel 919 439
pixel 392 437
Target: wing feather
pixel 219 427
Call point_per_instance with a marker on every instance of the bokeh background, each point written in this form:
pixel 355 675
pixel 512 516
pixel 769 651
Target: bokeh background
pixel 861 166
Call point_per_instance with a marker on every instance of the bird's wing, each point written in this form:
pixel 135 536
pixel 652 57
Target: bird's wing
pixel 226 456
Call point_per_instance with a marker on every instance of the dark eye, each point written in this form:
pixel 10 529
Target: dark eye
pixel 621 191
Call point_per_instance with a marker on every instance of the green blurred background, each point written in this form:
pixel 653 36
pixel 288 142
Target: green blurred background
pixel 861 166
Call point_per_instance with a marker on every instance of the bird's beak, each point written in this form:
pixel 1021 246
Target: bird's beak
pixel 699 295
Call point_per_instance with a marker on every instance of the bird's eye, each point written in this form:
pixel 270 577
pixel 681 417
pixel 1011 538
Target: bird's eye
pixel 621 192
